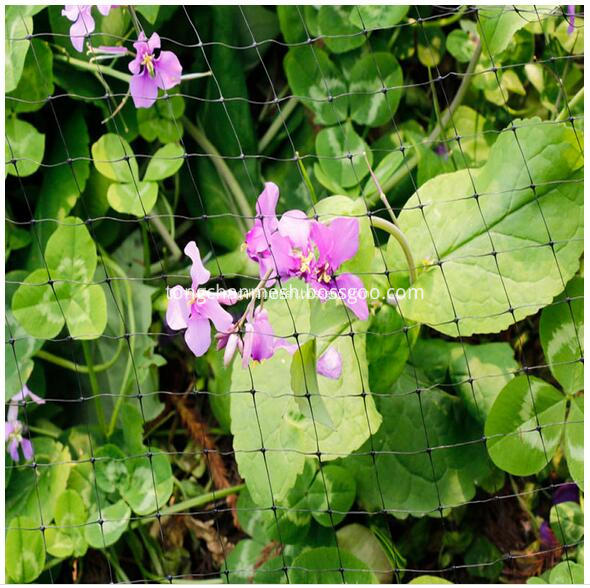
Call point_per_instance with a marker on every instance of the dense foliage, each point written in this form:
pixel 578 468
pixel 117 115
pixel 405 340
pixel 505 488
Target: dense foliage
pixel 407 405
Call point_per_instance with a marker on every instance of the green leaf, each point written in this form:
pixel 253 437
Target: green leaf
pixel 431 46
pixel 135 198
pixel 149 12
pixel 272 418
pixel 114 158
pixel 574 440
pixel 71 258
pixel 150 483
pixel 567 522
pixel 497 26
pixel 33 493
pixel 62 184
pixel 115 521
pixel 292 23
pixel 562 336
pixel 71 252
pixel 67 537
pixel 314 79
pixel 241 562
pixel 165 162
pixel 469 125
pixel 25 550
pixel 110 469
pixel 340 151
pixel 321 565
pixel 384 170
pixel 387 348
pixel 289 524
pixel 400 476
pixel 161 121
pixel 333 489
pixel 429 580
pixel 24 144
pixel 460 45
pixel 518 221
pixel 362 543
pixel 370 74
pixel 36 83
pixel 567 572
pixel 484 551
pixel 490 365
pixel 379 16
pixel 335 25
pixel 513 442
pixel 19 24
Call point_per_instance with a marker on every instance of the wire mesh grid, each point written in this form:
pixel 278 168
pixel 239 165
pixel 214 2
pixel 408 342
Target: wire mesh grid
pixel 163 506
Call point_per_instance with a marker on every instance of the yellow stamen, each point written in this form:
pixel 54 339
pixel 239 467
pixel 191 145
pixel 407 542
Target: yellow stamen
pixel 148 62
pixel 305 261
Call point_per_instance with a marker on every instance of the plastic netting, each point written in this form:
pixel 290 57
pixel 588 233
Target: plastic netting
pixel 138 259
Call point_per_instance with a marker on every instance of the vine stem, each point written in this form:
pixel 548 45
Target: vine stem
pixel 579 95
pixel 166 237
pixel 75 367
pixel 94 385
pixel 113 73
pixel 445 118
pixel 398 235
pixel 273 129
pixel 221 166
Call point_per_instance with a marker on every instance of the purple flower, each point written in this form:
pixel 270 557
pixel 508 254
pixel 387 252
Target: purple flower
pixel 13 428
pixel 151 72
pixel 441 151
pixel 193 309
pixel 296 246
pixel 566 493
pixel 83 25
pixel 571 17
pixel 273 244
pixel 336 243
pixel 329 364
pixel 260 341
pixel 547 537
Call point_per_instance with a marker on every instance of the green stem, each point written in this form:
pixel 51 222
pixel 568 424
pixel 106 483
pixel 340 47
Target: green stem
pixel 166 237
pixel 280 119
pixel 75 367
pixel 94 385
pixel 131 329
pixel 222 168
pixel 306 179
pixel 443 22
pixel 445 118
pixel 54 562
pixel 45 432
pixel 571 104
pixel 397 234
pixel 93 67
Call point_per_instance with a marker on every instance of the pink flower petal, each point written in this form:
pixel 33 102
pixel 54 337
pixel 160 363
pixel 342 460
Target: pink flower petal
pixel 27 448
pixel 178 309
pixel 330 364
pixel 199 274
pixel 13 450
pixel 83 27
pixel 198 336
pixel 345 240
pixel 353 290
pixel 212 310
pixel 295 225
pixel 104 9
pixel 168 70
pixel 144 89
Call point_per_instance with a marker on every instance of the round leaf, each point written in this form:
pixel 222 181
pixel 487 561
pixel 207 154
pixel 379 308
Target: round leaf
pixel 574 440
pixel 110 468
pixel 431 46
pixel 366 16
pixel 513 443
pixel 567 572
pixel 567 522
pixel 334 490
pixel 25 551
pixel 340 151
pixel 165 162
pixel 136 198
pixel 335 25
pixel 114 158
pixel 321 565
pixel 370 74
pixel 115 521
pixel 23 144
pixel 562 337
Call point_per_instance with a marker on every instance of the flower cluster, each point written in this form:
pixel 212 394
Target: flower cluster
pixel 293 247
pixel 13 428
pixel 151 69
pixel 83 26
pixel 299 247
